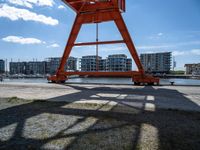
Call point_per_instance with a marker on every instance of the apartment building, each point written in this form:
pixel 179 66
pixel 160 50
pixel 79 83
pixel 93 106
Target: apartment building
pixel 2 66
pixel 193 69
pixel 117 62
pixel 156 62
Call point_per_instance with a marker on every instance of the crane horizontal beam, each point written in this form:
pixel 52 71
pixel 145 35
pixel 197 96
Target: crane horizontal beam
pixel 99 43
pixel 82 6
pixel 99 73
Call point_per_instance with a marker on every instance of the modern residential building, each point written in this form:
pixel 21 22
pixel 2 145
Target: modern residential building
pixel 18 68
pixel 41 67
pixel 193 69
pixel 128 64
pixel 2 66
pixel 28 68
pixel 53 63
pixel 103 65
pixel 72 64
pixel 36 67
pixel 119 62
pixel 89 63
pixel 156 62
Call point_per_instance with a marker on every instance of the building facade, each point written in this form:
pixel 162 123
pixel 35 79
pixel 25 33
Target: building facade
pixel 193 69
pixel 118 62
pixel 128 64
pixel 36 67
pixel 72 64
pixel 89 63
pixel 156 62
pixel 2 66
pixel 53 63
pixel 103 65
pixel 28 68
pixel 114 63
pixel 18 68
pixel 49 66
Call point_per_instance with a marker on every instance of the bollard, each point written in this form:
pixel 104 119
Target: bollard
pixel 172 83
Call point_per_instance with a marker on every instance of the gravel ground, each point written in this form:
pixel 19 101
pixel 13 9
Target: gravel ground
pixel 166 97
pixel 93 117
pixel 38 124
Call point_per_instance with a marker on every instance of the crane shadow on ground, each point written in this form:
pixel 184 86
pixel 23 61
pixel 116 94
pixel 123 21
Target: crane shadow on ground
pixel 124 119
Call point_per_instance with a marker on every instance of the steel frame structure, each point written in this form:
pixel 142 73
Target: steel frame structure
pixel 97 11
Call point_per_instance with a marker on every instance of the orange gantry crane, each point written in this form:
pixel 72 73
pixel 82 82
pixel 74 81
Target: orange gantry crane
pixel 94 12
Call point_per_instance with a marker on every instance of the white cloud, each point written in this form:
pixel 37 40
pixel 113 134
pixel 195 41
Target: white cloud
pixel 105 48
pixel 14 13
pixel 178 53
pixel 160 34
pixel 150 52
pixel 175 52
pixel 152 47
pixel 30 3
pixel 61 7
pixel 114 48
pixel 195 51
pixel 169 46
pixel 189 52
pixel 156 36
pixel 188 43
pixel 21 3
pixel 54 45
pixel 22 40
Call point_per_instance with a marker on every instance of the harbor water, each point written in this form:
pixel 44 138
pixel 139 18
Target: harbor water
pixel 107 81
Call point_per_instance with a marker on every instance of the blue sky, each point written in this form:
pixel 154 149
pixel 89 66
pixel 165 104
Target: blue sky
pixel 37 29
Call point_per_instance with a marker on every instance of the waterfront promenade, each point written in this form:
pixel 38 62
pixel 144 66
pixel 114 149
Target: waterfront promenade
pixel 86 116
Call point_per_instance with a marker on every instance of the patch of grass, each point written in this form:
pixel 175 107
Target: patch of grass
pixel 92 106
pixel 40 101
pixel 13 99
pixel 16 100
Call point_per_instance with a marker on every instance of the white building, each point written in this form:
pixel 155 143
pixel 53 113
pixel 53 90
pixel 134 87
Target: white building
pixel 193 69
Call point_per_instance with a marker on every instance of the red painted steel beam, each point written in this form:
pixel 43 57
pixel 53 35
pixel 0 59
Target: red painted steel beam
pixel 127 38
pixel 71 40
pixel 97 7
pixel 83 6
pixel 97 17
pixel 99 43
pixel 71 6
pixel 115 74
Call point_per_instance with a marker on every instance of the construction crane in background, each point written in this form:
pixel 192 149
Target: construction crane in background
pixel 95 12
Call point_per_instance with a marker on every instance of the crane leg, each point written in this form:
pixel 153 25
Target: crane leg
pixel 137 79
pixel 60 76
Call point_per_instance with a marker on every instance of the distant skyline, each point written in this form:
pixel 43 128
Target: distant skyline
pixel 40 29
